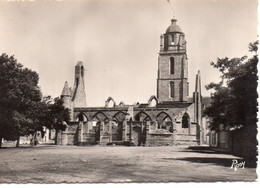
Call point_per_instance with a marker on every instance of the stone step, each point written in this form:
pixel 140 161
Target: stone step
pixel 187 142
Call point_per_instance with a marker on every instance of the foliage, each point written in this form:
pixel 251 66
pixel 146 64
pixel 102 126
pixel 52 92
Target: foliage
pixel 19 92
pixel 23 111
pixel 58 114
pixel 234 102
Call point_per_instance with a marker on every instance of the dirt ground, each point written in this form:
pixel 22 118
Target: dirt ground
pixel 53 164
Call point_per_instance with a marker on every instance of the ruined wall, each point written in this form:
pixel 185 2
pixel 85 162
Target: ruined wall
pixel 86 134
pixel 159 137
pixel 69 136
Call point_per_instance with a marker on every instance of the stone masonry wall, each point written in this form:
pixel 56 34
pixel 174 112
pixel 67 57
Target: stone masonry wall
pixel 159 139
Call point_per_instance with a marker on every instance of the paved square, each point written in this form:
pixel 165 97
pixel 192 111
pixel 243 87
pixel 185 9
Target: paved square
pixel 117 164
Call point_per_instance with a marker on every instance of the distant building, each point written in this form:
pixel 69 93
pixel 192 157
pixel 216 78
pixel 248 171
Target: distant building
pixel 168 118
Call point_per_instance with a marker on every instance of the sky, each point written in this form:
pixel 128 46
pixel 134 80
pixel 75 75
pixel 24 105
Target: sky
pixel 119 40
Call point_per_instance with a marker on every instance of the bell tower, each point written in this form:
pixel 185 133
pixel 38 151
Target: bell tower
pixel 172 79
pixel 78 94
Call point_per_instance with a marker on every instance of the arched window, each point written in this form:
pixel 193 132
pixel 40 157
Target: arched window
pixel 173 38
pixel 172 65
pixel 166 42
pixel 185 121
pixel 172 89
pixel 82 71
pixel 110 102
pixel 81 117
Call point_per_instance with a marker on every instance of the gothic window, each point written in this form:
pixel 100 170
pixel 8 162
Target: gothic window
pixel 172 89
pixel 172 65
pixel 81 117
pixel 164 121
pixel 185 121
pixel 82 71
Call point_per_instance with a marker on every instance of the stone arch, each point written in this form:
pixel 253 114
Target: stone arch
pixel 108 100
pixel 164 121
pixel 142 116
pixel 152 98
pixel 81 117
pixel 122 103
pixel 119 116
pixel 162 116
pixel 100 116
pixel 117 126
pixel 185 121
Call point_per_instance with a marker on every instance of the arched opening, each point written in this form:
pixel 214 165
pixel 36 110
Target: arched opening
pixel 172 89
pixel 152 102
pixel 121 103
pixel 119 116
pixel 165 42
pixel 110 103
pixel 96 127
pixel 81 117
pixel 101 125
pixel 173 37
pixel 185 121
pixel 117 127
pixel 172 65
pixel 117 130
pixel 142 116
pixel 164 121
pixel 82 71
pixel 100 116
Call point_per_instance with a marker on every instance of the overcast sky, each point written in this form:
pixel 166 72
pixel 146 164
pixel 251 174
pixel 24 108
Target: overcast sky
pixel 118 41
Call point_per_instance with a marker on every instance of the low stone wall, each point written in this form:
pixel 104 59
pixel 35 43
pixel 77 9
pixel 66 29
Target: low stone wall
pixel 186 139
pixel 69 136
pixel 160 137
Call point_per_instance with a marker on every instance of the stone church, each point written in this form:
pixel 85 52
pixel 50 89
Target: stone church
pixel 168 118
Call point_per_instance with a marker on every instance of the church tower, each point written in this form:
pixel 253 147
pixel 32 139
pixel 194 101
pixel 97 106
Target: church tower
pixel 172 80
pixel 78 93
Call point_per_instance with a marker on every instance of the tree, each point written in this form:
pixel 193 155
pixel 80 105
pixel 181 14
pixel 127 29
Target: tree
pixel 57 116
pixel 19 93
pixel 234 101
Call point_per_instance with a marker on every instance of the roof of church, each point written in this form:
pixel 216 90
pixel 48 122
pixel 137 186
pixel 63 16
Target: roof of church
pixel 170 104
pixel 66 90
pixel 173 27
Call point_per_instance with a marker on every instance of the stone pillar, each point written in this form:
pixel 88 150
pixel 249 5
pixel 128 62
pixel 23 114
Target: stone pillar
pixel 110 131
pixel 89 126
pixel 64 139
pixel 102 127
pixel 174 133
pixel 148 123
pixel 59 137
pixel 130 131
pixel 47 134
pixel 156 125
pixel 124 131
pixel 80 135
